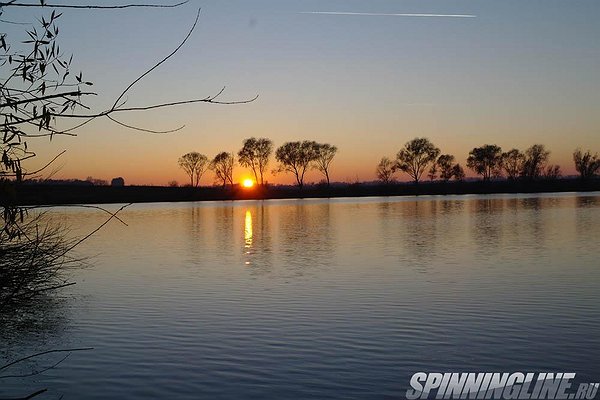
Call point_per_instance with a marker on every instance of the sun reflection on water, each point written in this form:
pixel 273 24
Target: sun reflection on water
pixel 248 233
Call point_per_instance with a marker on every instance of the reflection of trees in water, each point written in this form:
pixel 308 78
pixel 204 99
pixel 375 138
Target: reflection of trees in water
pixel 587 222
pixel 523 223
pixel 305 236
pixel 486 225
pixel 587 201
pixel 415 230
pixel 421 232
pixel 223 230
pixel 210 235
pixel 199 231
pixel 534 220
pixel 229 231
pixel 386 212
pixel 450 214
pixel 420 236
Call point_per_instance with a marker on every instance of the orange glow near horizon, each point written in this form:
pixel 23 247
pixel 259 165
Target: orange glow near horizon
pixel 248 183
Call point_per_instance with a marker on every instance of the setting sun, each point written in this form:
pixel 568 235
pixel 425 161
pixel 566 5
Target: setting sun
pixel 248 183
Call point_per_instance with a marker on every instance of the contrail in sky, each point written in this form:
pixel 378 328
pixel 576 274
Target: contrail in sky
pixel 390 15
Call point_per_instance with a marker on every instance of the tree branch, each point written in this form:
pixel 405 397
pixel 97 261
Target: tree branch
pixel 139 78
pixel 137 128
pixel 10 364
pixel 92 7
pixel 49 96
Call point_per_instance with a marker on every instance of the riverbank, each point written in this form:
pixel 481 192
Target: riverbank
pixel 46 194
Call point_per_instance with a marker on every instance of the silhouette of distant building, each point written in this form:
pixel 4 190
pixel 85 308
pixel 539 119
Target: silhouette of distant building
pixel 118 182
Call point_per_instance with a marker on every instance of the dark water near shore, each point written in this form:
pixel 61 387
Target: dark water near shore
pixel 297 299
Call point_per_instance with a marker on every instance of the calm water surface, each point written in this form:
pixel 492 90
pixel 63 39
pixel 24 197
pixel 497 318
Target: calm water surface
pixel 301 299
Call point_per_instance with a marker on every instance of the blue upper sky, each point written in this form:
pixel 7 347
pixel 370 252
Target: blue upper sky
pixel 519 72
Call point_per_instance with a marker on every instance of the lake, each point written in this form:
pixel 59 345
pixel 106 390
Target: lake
pixel 327 299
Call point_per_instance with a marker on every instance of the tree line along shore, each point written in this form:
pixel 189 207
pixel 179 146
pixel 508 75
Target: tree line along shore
pixel 36 194
pixel 419 159
pixel 430 173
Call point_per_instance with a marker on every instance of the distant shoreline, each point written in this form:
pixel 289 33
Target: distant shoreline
pixel 50 194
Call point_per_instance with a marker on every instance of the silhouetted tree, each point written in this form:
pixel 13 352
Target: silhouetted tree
pixel 512 163
pixel 552 172
pixel 117 182
pixel 535 161
pixel 324 154
pixel 432 174
pixel 222 165
pixel 458 172
pixel 486 160
pixel 295 157
pixel 255 155
pixel 416 156
pixel 385 170
pixel 445 162
pixel 194 164
pixel 96 181
pixel 586 164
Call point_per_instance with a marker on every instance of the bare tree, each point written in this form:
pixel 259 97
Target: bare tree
pixel 324 154
pixel 586 164
pixel 222 165
pixel 385 170
pixel 512 163
pixel 416 156
pixel 295 157
pixel 535 161
pixel 255 155
pixel 486 160
pixel 194 164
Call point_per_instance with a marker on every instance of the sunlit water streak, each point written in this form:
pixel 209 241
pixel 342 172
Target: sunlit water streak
pixel 340 298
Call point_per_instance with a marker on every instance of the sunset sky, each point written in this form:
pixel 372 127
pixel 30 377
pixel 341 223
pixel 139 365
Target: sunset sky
pixel 360 74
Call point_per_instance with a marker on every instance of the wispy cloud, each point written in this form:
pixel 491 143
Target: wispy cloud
pixel 389 14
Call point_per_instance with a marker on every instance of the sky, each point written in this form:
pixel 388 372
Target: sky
pixel 364 75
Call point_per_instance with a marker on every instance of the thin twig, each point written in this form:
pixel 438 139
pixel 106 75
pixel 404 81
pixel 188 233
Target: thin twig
pixel 137 128
pixel 78 206
pixel 45 166
pixel 77 243
pixel 10 364
pixel 36 372
pixel 139 78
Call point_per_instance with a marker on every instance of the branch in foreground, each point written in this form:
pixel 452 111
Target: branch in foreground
pixel 37 393
pixel 113 215
pixel 34 373
pixel 10 364
pixel 139 78
pixel 92 7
